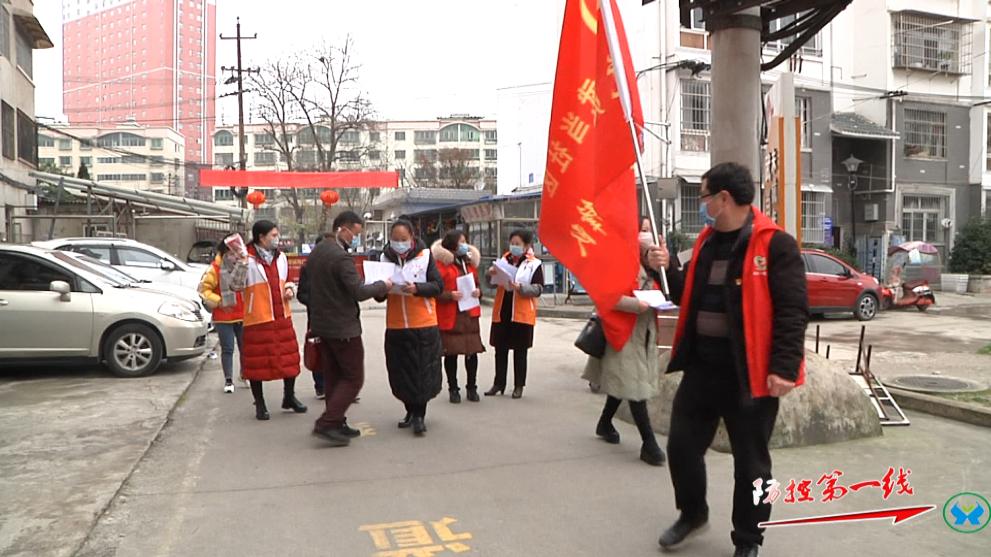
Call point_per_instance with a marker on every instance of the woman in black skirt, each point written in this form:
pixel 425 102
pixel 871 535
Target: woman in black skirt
pixel 514 312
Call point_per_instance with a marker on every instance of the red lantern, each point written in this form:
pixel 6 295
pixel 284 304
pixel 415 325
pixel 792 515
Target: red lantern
pixel 256 198
pixel 329 197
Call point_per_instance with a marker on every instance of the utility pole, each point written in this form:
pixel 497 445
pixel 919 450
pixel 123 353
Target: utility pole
pixel 239 70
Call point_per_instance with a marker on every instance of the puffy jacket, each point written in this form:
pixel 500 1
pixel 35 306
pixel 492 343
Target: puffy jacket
pixel 209 290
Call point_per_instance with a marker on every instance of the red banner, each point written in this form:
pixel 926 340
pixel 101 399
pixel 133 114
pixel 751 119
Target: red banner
pixel 304 180
pixel 588 217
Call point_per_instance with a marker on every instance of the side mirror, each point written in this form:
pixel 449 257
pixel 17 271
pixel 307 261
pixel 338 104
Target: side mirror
pixel 167 265
pixel 62 288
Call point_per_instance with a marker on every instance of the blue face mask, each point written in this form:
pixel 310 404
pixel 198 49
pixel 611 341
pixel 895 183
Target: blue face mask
pixel 400 247
pixel 516 251
pixel 462 249
pixel 707 220
pixel 355 242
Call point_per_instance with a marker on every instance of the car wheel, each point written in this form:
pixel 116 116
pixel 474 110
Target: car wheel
pixel 866 307
pixel 132 351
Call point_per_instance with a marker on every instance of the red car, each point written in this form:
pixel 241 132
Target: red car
pixel 835 287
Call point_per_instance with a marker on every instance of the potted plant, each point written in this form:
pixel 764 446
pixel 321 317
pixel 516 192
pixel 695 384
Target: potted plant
pixel 972 255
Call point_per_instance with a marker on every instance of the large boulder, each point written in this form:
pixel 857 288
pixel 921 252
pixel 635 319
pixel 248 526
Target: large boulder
pixel 828 408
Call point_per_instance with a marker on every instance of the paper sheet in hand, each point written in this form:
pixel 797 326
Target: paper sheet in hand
pixel 466 286
pixel 377 270
pixel 505 273
pixel 653 298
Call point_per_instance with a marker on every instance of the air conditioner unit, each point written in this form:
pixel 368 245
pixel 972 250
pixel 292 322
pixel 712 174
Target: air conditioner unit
pixel 31 201
pixel 871 212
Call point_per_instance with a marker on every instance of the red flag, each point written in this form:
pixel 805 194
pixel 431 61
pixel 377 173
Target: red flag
pixel 588 216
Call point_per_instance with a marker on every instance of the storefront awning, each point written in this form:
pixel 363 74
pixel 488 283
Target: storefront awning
pixel 848 124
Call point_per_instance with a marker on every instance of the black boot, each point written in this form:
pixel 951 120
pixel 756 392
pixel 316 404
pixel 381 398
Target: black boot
pixel 289 400
pixel 684 528
pixel 652 454
pixel 473 395
pixel 419 428
pixel 746 551
pixel 407 421
pixel 471 362
pixel 261 412
pixel 607 431
pixel 455 396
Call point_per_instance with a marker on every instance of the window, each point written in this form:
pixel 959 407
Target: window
pixel 264 158
pixel 424 137
pixel 4 33
pixel 264 139
pixel 374 137
pixel 157 177
pixel 400 155
pixel 349 156
pixel 65 145
pixel 921 215
pixel 155 161
pixel 157 144
pixel 696 104
pixel 813 217
pixel 459 132
pixel 65 161
pixel 400 136
pixel 803 109
pixel 133 257
pixel 96 252
pixel 375 155
pixel 85 145
pixel 121 140
pixel 925 134
pixel 46 162
pixel 696 23
pixel 88 161
pixel 222 194
pixel 7 122
pixel 349 136
pixel 491 154
pixel 812 48
pixel 27 137
pixel 691 222
pixel 19 273
pixel 491 136
pixel 121 177
pixel 223 138
pixel 45 141
pixel 223 159
pixel 306 157
pixel 930 42
pixel 25 52
pixel 107 160
pixel 820 265
pixel 425 155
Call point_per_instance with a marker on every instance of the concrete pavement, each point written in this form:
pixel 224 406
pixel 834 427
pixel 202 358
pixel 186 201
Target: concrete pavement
pixel 502 477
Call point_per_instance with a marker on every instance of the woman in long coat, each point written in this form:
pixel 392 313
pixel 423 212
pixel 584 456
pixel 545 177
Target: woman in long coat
pixel 271 351
pixel 412 338
pixel 514 313
pixel 460 332
pixel 632 374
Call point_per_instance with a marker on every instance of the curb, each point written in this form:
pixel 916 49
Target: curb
pixel 137 461
pixel 944 408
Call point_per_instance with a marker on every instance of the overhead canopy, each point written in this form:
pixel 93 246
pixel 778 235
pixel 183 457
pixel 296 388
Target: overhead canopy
pixel 849 124
pixel 297 180
pixel 32 28
pixel 174 204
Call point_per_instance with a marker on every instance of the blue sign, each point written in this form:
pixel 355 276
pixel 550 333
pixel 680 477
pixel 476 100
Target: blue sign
pixel 827 228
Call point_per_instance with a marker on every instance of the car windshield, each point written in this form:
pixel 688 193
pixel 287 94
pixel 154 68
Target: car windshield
pixel 107 270
pixel 116 279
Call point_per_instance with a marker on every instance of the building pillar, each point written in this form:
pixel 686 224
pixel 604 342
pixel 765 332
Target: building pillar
pixel 736 91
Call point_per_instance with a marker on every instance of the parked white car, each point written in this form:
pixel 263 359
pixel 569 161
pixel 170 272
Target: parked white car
pixel 134 258
pixel 55 309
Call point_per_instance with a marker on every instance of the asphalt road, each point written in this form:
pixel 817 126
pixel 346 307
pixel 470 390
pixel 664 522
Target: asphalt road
pixel 499 478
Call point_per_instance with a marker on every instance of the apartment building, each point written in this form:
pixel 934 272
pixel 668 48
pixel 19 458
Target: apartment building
pixel 128 155
pixel 20 35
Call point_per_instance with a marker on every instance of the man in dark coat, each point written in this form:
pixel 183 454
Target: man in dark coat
pixel 741 344
pixel 335 288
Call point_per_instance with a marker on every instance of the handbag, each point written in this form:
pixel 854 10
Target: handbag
pixel 592 339
pixel 311 352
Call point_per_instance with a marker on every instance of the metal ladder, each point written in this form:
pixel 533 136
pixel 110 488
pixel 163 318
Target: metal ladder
pixel 888 411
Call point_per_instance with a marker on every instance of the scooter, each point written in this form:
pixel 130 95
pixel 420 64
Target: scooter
pixel 917 294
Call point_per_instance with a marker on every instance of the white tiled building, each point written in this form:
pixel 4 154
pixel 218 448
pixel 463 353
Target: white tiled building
pixel 405 146
pixel 128 155
pixel 20 35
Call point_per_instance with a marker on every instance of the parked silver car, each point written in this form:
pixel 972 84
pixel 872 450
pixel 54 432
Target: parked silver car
pixel 134 258
pixel 53 308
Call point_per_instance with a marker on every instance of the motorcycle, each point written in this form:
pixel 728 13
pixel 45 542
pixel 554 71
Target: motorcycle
pixel 910 267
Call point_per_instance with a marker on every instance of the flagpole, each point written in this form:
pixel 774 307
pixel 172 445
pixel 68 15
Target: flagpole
pixel 619 65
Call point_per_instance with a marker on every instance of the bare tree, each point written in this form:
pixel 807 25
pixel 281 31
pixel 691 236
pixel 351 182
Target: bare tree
pixel 456 170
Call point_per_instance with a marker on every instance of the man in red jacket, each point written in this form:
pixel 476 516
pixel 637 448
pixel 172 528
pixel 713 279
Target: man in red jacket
pixel 741 343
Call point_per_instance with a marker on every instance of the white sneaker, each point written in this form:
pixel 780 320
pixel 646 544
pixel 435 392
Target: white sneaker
pixel 229 388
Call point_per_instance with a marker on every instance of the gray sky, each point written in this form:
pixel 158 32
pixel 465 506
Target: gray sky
pixel 420 58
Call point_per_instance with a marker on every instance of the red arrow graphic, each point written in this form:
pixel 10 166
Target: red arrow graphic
pixel 898 515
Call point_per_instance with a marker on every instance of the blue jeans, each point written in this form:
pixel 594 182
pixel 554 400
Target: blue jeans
pixel 229 333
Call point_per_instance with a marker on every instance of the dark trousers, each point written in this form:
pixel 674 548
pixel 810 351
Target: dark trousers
pixel 451 367
pixel 640 417
pixel 502 367
pixel 705 396
pixel 258 392
pixel 416 410
pixel 343 363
